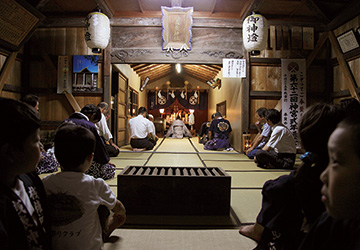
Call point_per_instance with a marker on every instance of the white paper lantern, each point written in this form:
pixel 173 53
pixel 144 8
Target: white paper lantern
pixel 255 33
pixel 97 31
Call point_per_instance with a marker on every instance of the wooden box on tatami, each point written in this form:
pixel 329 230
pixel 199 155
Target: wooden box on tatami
pixel 174 190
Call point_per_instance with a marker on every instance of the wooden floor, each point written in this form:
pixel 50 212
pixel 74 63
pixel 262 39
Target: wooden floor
pixel 246 183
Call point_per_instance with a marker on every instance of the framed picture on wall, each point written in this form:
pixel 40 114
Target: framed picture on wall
pixel 348 41
pixel 221 107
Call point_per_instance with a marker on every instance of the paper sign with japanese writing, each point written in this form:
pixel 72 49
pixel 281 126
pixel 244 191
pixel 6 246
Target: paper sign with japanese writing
pixel 235 68
pixel 293 73
pixel 64 75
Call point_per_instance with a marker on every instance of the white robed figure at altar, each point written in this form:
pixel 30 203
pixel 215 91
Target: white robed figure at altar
pixel 178 129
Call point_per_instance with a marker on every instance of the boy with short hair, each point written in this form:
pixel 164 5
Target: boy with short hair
pixel 280 150
pixel 75 197
pixel 23 212
pixel 339 227
pixel 264 133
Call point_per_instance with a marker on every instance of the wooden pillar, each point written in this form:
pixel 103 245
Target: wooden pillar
pixel 107 78
pixel 245 92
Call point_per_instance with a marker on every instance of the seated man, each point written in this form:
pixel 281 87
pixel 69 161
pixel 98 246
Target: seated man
pixel 153 137
pixel 219 133
pixel 204 131
pixel 265 133
pixel 178 129
pixel 140 132
pixel 280 150
pixel 100 166
pixel 105 133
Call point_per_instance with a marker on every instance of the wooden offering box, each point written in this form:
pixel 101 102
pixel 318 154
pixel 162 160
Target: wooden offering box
pixel 174 190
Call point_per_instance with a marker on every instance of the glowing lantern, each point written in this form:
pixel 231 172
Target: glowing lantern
pixel 255 33
pixel 97 31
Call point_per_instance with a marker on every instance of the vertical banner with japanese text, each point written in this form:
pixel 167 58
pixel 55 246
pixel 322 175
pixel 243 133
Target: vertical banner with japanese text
pixel 235 68
pixel 64 75
pixel 293 73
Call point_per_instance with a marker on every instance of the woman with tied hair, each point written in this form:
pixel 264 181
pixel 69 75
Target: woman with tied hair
pixel 292 203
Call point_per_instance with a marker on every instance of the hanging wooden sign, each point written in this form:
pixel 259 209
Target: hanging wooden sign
pixel 18 20
pixel 176 24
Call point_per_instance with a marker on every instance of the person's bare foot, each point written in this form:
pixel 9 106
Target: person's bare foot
pixel 253 232
pixel 138 149
pixel 112 223
pixel 255 159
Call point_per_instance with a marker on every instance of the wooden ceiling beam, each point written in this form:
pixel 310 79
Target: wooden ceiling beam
pixel 253 6
pixel 201 70
pixel 344 66
pixel 145 67
pixel 105 8
pixel 152 69
pixel 137 66
pixel 199 74
pixel 210 68
pixel 212 11
pixel 140 6
pixel 301 4
pixel 196 14
pixel 351 11
pixel 314 7
pixel 158 77
pixel 155 74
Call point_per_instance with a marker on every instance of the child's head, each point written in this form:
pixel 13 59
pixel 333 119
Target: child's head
pixel 19 136
pixel 73 146
pixel 273 116
pixel 32 100
pixel 316 125
pixel 260 114
pixel 341 189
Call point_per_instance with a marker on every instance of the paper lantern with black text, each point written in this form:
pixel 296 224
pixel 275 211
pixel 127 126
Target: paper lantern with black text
pixel 97 31
pixel 255 33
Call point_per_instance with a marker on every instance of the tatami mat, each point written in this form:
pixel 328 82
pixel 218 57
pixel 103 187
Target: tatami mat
pixel 122 163
pixel 135 239
pixel 133 155
pixel 181 160
pixel 246 204
pixel 175 145
pixel 200 147
pixel 128 148
pixel 246 166
pixel 220 156
pixel 252 179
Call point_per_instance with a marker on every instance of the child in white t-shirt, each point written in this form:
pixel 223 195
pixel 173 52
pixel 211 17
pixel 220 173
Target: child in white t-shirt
pixel 74 197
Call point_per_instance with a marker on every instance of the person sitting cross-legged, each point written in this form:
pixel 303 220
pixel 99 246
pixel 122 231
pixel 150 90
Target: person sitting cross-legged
pixel 291 203
pixel 104 131
pixel 280 150
pixel 219 134
pixel 264 133
pixel 79 204
pixel 101 167
pixel 140 131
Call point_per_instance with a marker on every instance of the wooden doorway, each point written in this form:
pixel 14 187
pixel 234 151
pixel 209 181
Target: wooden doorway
pixel 119 92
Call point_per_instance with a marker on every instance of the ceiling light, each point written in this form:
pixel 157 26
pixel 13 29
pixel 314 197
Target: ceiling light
pixel 178 67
